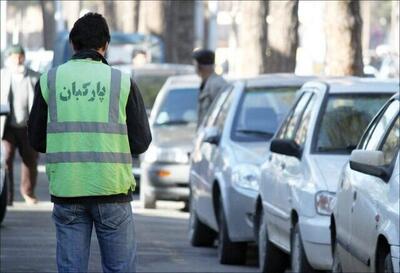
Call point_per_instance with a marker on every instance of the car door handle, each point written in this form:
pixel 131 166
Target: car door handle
pixel 283 166
pixel 355 196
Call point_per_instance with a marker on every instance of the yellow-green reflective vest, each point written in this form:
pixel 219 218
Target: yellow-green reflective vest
pixel 87 151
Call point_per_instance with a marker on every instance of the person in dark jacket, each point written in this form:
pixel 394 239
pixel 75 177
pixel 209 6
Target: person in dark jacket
pixel 89 119
pixel 17 91
pixel 211 83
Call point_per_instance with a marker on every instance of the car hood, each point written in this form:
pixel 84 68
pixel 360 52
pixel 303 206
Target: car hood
pixel 330 167
pixel 174 136
pixel 250 152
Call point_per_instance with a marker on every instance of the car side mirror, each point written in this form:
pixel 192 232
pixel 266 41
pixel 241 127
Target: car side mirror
pixel 286 147
pixel 369 162
pixel 212 135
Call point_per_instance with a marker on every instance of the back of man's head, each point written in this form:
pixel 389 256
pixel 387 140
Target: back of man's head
pixel 90 32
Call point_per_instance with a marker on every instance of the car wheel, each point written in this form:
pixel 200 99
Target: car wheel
pixel 336 265
pixel 298 259
pixel 3 200
pixel 385 261
pixel 228 252
pixel 271 259
pixel 199 233
pixel 149 201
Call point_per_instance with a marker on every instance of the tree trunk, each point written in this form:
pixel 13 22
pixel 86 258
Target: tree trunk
pixel 283 38
pixel 343 37
pixel 109 14
pixel 173 21
pixel 49 23
pixel 253 37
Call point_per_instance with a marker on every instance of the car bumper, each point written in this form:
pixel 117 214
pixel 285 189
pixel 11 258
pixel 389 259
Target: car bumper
pixel 166 181
pixel 240 207
pixel 395 253
pixel 315 234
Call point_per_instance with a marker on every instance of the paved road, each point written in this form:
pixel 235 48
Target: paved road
pixel 28 240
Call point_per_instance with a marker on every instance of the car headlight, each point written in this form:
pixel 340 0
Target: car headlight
pixel 246 176
pixel 325 202
pixel 170 155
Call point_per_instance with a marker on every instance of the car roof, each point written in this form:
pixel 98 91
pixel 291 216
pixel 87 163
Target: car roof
pixel 350 84
pixel 277 79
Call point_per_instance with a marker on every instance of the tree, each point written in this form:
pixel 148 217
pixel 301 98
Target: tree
pixel 283 38
pixel 343 38
pixel 253 36
pixel 49 24
pixel 173 22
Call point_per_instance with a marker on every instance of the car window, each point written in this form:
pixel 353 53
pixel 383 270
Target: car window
pixel 260 111
pixel 377 132
pixel 391 144
pixel 220 120
pixel 288 129
pixel 344 119
pixel 301 133
pixel 178 107
pixel 212 113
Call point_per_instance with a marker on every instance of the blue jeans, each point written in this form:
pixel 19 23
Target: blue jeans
pixel 114 227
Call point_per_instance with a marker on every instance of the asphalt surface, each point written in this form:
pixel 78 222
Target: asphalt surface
pixel 27 239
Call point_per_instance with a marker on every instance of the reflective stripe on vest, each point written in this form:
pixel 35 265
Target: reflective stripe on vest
pixel 97 157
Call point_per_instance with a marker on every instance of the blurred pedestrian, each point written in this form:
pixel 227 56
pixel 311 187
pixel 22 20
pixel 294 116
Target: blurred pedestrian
pixel 211 83
pixel 89 118
pixel 17 90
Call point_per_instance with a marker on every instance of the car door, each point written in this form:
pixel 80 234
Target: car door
pixel 294 172
pixel 369 191
pixel 276 203
pixel 207 151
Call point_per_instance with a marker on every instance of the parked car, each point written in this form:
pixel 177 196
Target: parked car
pixel 173 121
pixel 299 178
pixel 229 148
pixel 4 110
pixel 123 48
pixel 150 78
pixel 365 224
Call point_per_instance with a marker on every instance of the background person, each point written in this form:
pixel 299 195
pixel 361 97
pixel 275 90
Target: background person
pixel 211 83
pixel 17 90
pixel 89 118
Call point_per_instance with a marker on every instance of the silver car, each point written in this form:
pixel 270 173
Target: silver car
pixel 229 148
pixel 365 225
pixel 299 178
pixel 173 120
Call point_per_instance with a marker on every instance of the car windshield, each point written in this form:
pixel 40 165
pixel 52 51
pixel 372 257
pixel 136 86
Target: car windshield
pixel 149 86
pixel 344 119
pixel 260 111
pixel 179 107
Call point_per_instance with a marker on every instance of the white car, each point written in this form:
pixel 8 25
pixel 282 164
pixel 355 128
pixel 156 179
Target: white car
pixel 365 223
pixel 299 178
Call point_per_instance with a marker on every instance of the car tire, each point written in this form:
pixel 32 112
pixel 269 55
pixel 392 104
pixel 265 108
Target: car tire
pixel 3 200
pixel 229 252
pixel 336 264
pixel 149 201
pixel 385 264
pixel 271 258
pixel 298 259
pixel 199 233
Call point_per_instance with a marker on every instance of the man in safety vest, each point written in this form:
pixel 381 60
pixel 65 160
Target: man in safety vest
pixel 89 118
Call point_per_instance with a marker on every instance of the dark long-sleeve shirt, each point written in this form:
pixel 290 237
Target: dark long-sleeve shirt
pixel 139 134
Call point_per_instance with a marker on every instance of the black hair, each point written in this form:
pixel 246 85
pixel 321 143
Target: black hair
pixel 90 32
